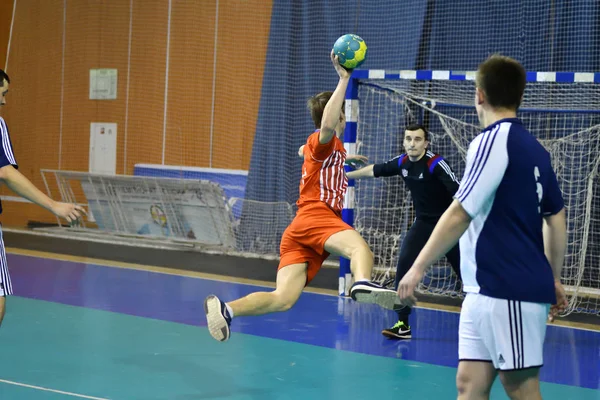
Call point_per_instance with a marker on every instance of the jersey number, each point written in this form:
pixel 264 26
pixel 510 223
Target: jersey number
pixel 540 188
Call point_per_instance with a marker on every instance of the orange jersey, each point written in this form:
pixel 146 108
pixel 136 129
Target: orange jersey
pixel 323 175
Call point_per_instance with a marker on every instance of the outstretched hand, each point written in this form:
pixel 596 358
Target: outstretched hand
pixel 407 286
pixel 341 71
pixel 357 161
pixel 68 211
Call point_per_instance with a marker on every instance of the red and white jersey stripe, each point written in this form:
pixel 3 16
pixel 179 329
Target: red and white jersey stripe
pixel 323 175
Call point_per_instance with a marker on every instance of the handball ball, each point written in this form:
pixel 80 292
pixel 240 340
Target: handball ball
pixel 351 51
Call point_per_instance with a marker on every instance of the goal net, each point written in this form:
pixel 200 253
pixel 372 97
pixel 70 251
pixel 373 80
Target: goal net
pixel 561 110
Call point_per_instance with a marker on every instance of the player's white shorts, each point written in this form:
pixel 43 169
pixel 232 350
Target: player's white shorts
pixel 5 284
pixel 508 333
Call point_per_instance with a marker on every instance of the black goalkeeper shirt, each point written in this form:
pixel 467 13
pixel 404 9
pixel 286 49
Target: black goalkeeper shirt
pixel 431 182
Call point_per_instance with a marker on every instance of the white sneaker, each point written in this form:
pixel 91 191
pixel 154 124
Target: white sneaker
pixel 372 293
pixel 217 318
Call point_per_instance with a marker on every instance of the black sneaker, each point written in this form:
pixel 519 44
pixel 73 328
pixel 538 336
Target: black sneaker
pixel 217 318
pixel 372 293
pixel 398 331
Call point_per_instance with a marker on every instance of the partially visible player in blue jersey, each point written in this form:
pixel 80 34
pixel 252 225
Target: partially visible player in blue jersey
pixel 509 216
pixel 19 184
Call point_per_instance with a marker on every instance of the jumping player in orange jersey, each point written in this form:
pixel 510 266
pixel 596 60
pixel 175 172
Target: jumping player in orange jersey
pixel 317 230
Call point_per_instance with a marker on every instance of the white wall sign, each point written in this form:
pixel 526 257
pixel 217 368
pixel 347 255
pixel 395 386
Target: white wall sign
pixel 103 148
pixel 103 84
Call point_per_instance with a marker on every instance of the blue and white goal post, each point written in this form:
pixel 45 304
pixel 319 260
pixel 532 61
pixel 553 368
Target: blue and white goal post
pixel 562 109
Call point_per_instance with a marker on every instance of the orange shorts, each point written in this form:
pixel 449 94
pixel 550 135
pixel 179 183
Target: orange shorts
pixel 304 239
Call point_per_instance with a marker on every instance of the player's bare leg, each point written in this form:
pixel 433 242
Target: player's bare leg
pixel 291 280
pixel 289 286
pixel 474 380
pixel 522 384
pixel 351 245
pixel 2 308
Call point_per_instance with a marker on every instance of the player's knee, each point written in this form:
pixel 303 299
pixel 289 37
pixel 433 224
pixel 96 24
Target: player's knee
pixel 462 384
pixel 516 392
pixel 364 250
pixel 468 388
pixel 522 384
pixel 513 393
pixel 284 302
pixel 286 305
pixel 2 311
pixel 369 253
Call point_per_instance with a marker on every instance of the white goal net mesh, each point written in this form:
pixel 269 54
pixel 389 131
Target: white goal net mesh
pixel 564 117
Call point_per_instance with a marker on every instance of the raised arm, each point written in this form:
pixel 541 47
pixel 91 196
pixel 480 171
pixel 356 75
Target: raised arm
pixel 333 109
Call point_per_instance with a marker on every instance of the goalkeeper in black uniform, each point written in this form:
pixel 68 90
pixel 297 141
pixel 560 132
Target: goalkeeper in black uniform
pixel 432 184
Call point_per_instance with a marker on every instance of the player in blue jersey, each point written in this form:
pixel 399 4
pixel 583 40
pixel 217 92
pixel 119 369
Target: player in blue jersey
pixel 19 184
pixel 509 216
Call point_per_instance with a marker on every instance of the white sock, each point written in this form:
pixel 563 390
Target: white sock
pixel 229 310
pixel 362 280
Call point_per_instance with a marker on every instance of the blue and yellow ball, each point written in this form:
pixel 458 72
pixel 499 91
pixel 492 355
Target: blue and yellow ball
pixel 351 50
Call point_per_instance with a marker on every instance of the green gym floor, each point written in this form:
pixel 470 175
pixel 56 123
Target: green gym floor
pixel 77 329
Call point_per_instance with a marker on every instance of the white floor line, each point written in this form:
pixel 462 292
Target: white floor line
pixel 81 396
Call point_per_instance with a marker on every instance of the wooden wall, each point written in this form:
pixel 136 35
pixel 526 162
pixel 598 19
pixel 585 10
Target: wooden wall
pixel 6 9
pixel 49 112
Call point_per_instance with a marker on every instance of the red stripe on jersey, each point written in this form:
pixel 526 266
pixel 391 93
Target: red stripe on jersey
pixel 325 180
pixel 432 160
pixel 333 180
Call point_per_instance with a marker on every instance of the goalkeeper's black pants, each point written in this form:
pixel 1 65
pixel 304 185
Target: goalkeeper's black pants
pixel 413 243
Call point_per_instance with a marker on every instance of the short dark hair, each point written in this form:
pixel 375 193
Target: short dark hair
pixel 4 76
pixel 416 127
pixel 502 79
pixel 316 105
